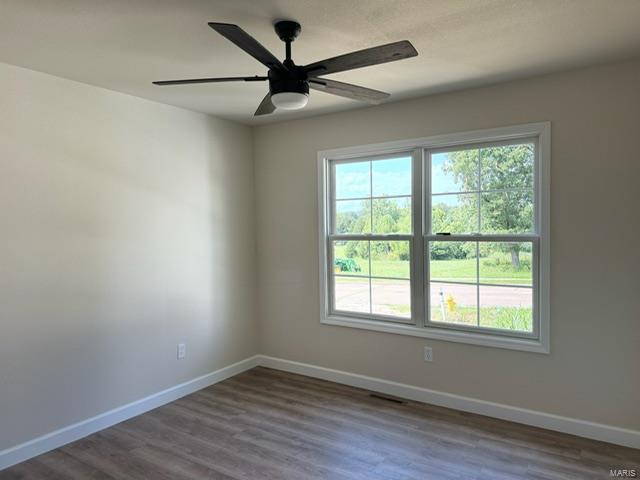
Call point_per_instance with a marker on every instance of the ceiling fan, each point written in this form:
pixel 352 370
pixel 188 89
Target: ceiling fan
pixel 289 83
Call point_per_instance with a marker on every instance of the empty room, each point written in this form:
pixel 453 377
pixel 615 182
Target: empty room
pixel 319 239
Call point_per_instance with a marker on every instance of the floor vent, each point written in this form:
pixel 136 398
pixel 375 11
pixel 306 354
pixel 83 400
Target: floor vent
pixel 388 399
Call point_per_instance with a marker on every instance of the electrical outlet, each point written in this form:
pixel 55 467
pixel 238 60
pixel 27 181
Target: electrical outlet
pixel 182 350
pixel 428 354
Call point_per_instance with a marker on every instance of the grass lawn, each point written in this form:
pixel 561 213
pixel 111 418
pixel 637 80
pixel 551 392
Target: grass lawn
pixel 504 318
pixel 465 270
pixel 379 268
pixel 444 270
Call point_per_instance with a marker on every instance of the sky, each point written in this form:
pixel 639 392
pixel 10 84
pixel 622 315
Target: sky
pixel 442 182
pixel 380 178
pixel 388 178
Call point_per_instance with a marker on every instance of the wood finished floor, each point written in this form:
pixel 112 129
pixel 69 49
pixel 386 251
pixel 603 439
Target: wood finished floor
pixel 266 424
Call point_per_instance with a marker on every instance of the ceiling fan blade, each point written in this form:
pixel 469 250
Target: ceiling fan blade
pixel 348 90
pixel 363 58
pixel 211 80
pixel 247 43
pixel 265 107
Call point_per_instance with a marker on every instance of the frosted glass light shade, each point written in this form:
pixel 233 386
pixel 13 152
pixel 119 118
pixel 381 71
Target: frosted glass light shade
pixel 289 100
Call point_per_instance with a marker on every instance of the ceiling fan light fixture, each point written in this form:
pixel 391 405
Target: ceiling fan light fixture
pixel 289 100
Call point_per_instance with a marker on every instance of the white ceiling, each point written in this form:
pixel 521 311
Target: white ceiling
pixel 125 44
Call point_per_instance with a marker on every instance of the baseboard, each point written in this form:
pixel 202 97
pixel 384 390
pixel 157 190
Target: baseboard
pixel 71 433
pixel 573 426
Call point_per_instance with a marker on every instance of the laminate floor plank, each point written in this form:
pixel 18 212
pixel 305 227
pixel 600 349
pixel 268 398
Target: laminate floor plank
pixel 271 425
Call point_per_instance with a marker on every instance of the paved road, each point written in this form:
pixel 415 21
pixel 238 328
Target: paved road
pixel 393 296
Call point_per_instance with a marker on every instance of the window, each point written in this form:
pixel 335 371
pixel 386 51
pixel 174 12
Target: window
pixel 443 237
pixel 371 233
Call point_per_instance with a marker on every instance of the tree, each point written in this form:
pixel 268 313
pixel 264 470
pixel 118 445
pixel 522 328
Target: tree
pixel 390 215
pixel 446 218
pixel 506 179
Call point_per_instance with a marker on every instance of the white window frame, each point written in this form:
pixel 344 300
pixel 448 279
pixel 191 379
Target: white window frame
pixel 419 325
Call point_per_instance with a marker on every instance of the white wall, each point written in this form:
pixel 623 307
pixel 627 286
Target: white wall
pixel 126 227
pixel 592 372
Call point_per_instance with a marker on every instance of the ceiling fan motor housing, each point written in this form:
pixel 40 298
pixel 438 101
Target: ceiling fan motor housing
pixel 294 78
pixel 291 81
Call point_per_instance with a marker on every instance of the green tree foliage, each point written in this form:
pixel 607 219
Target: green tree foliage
pixel 502 167
pixel 390 215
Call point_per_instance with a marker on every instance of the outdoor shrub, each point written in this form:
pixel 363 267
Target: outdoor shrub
pixel 448 251
pixel 347 265
pixel 503 262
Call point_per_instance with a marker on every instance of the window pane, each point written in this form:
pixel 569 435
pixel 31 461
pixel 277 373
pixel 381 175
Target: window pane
pixel 390 259
pixel 391 297
pixel 507 212
pixel 453 262
pixel 454 213
pixel 506 308
pixel 351 294
pixel 353 216
pixel 391 177
pixel 454 171
pixel 507 263
pixel 507 166
pixel 353 180
pixel 392 215
pixel 351 257
pixel 452 303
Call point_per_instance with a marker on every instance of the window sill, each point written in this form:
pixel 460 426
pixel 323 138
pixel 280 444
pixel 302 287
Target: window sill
pixel 483 339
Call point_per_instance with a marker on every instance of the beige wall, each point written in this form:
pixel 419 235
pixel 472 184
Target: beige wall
pixel 592 372
pixel 126 227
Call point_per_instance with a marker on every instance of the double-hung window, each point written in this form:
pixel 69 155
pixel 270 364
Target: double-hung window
pixel 443 237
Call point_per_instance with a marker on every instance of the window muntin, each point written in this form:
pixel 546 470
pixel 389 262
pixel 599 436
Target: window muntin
pixel 498 317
